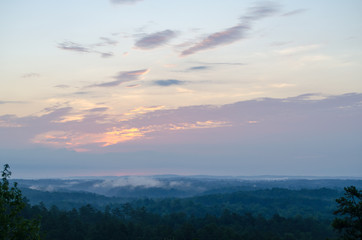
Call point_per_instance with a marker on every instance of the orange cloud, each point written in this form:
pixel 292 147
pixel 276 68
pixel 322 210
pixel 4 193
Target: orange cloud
pixel 143 110
pixel 71 118
pixel 75 140
pixel 78 141
pixel 120 135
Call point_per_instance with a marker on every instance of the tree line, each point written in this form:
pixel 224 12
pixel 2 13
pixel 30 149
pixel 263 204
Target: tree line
pixel 20 220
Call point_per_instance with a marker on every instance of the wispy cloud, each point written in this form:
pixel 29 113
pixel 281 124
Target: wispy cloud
pixel 31 75
pixel 214 40
pixel 11 102
pixel 222 63
pixel 81 93
pixel 282 85
pixel 294 12
pixel 133 86
pixel 298 49
pixel 198 68
pixel 168 82
pixel 236 33
pixel 81 48
pixel 259 11
pixel 106 42
pixel 199 125
pixel 143 110
pixel 99 109
pixel 123 77
pixel 125 1
pixel 106 54
pixel 62 86
pixel 72 46
pixel 155 40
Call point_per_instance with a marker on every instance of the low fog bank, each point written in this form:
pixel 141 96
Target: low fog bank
pixel 180 186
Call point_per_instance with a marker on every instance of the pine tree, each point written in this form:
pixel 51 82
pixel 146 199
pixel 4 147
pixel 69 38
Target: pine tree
pixel 13 226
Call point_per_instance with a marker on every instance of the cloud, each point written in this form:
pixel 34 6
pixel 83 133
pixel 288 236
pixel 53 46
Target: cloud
pixel 100 109
pixel 106 54
pixel 80 48
pixel 282 85
pixel 125 1
pixel 294 12
pixel 298 49
pixel 72 46
pixel 73 139
pixel 106 42
pixel 199 125
pixel 31 75
pixel 133 86
pixel 315 58
pixel 261 10
pixel 228 63
pixel 169 82
pixel 222 63
pixel 214 40
pixel 62 86
pixel 123 77
pixel 236 33
pixel 143 110
pixel 81 93
pixel 94 129
pixel 11 102
pixel 197 68
pixel 155 40
pixel 254 136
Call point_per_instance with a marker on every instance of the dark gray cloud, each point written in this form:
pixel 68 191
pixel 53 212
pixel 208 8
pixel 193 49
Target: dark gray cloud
pixel 294 12
pixel 155 40
pixel 123 77
pixel 168 82
pixel 214 40
pixel 125 1
pixel 197 68
pixel 235 33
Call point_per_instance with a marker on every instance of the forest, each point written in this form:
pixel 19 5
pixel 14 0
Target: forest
pixel 275 213
pixel 130 223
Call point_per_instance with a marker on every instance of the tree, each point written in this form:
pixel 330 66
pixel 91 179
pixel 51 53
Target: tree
pixel 13 226
pixel 349 206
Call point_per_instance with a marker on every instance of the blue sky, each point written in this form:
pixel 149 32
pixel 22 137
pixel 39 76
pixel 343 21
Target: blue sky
pixel 187 87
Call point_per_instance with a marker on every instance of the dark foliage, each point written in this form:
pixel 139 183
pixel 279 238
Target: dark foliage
pixel 13 226
pixel 350 208
pixel 137 223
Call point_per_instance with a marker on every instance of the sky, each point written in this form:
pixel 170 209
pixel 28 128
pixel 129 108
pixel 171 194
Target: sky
pixel 143 87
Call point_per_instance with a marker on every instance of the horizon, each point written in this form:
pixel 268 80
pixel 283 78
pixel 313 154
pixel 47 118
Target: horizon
pixel 231 177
